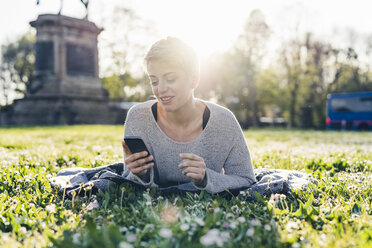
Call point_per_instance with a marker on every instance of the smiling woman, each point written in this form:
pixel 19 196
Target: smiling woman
pixel 190 141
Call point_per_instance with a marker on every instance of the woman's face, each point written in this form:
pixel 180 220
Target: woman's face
pixel 172 86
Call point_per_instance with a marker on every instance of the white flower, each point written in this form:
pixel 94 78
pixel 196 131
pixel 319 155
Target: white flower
pixel 185 227
pixel 51 208
pixel 296 245
pixel 235 208
pixel 123 229
pixel 22 229
pixel 210 237
pixel 229 215
pixel 291 226
pixel 199 221
pixel 165 233
pixel 255 222
pixel 94 204
pixel 250 232
pixel 267 227
pixel 132 238
pixel 124 244
pixel 241 219
pixel 214 236
pixel 233 225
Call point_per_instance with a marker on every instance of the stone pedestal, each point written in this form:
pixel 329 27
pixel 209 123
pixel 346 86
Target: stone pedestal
pixel 66 88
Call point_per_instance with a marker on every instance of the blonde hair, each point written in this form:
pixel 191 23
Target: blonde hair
pixel 175 52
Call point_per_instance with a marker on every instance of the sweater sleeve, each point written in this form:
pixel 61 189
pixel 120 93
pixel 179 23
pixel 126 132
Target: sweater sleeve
pixel 131 128
pixel 238 168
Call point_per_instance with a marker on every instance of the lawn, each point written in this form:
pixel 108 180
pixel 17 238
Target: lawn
pixel 335 212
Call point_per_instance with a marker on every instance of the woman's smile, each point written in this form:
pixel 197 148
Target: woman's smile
pixel 166 99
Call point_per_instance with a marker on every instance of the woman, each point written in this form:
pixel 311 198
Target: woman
pixel 190 140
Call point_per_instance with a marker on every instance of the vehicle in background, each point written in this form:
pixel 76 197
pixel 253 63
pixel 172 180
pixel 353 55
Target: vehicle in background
pixel 272 122
pixel 349 111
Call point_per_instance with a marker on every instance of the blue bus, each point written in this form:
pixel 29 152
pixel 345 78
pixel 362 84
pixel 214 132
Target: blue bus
pixel 349 111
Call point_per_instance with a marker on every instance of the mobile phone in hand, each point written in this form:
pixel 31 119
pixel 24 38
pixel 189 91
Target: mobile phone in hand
pixel 135 144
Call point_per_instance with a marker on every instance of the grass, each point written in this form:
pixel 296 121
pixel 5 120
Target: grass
pixel 336 212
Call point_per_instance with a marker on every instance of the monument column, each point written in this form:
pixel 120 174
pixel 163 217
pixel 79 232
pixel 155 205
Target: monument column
pixel 66 88
pixel 67 58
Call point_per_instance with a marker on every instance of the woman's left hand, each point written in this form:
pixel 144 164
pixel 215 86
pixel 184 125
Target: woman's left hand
pixel 195 168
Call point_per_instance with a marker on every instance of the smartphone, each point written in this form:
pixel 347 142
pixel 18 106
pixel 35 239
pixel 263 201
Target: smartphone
pixel 135 144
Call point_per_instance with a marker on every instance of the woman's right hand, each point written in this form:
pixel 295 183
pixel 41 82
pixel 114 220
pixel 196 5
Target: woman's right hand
pixel 136 162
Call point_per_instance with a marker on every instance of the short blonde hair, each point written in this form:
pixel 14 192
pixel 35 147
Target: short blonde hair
pixel 175 52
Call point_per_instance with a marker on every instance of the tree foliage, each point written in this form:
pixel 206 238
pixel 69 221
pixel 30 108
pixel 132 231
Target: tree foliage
pixel 17 68
pixel 294 86
pixel 124 87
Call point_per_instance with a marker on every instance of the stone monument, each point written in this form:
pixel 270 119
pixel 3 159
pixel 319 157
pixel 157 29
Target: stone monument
pixel 66 88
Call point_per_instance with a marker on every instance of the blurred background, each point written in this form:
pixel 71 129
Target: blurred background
pixel 271 62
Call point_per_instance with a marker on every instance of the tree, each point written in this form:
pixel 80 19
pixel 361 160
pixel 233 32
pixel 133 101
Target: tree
pixel 317 57
pixel 241 66
pixel 291 59
pixel 125 87
pixel 17 68
pixel 271 94
pixel 249 52
pixel 124 41
pixel 123 44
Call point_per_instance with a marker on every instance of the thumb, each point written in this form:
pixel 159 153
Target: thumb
pixel 125 148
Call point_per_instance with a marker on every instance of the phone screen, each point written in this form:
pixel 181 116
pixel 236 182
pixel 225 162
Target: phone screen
pixel 135 144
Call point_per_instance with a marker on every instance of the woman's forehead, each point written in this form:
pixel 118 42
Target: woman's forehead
pixel 161 68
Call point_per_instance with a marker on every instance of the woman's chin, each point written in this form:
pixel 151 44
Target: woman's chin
pixel 168 108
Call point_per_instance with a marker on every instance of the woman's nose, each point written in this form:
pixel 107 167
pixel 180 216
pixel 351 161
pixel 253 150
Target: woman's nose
pixel 162 87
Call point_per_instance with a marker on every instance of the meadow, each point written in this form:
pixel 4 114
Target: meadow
pixel 334 212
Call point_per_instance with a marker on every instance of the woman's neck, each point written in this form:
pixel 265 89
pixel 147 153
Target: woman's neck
pixel 184 116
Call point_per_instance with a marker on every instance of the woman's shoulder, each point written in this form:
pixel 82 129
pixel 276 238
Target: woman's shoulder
pixel 219 111
pixel 141 108
pixel 140 113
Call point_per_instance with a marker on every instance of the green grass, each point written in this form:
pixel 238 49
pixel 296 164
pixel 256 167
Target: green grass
pixel 336 212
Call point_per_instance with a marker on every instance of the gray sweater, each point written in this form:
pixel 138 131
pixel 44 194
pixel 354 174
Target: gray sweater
pixel 221 144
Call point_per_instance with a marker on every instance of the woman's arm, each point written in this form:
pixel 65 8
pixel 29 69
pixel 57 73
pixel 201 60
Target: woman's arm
pixel 238 168
pixel 146 177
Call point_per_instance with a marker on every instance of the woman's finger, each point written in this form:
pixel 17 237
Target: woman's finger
pixel 136 156
pixel 139 162
pixel 190 156
pixel 191 163
pixel 141 169
pixel 195 170
pixel 125 148
pixel 195 176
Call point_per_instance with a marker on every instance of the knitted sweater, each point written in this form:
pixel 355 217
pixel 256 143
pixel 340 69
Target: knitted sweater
pixel 221 144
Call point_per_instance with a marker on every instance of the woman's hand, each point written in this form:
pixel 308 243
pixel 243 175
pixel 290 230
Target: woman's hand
pixel 195 168
pixel 136 162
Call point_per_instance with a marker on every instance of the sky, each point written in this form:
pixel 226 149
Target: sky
pixel 207 25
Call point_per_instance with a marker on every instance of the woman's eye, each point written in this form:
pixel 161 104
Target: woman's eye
pixel 171 80
pixel 154 83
